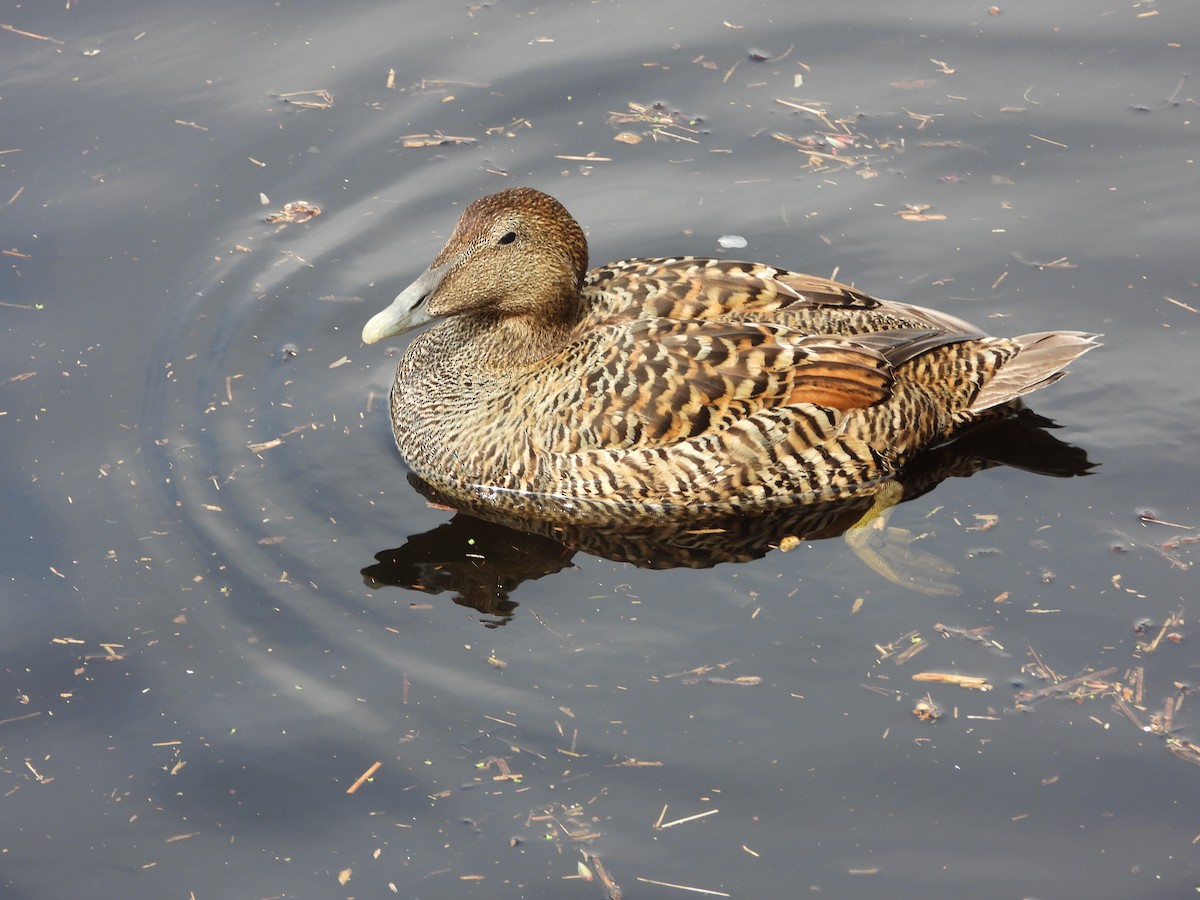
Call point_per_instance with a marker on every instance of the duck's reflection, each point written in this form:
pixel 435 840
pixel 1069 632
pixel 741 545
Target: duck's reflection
pixel 482 557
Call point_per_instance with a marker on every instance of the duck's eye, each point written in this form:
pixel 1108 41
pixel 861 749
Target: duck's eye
pixel 509 238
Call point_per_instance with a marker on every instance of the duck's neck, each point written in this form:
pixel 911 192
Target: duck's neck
pixel 502 343
pixel 519 342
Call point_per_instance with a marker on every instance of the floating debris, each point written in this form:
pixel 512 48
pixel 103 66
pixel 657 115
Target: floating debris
pixel 319 99
pixel 663 122
pixel 437 139
pixel 684 887
pixel 763 56
pixel 977 635
pixel 660 825
pixel 974 682
pixel 903 648
pixel 1061 263
pixel 926 710
pixel 915 212
pixel 30 34
pixel 364 777
pixel 295 211
pixel 1166 631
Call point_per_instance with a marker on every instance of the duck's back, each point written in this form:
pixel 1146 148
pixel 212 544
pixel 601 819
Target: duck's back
pixel 702 288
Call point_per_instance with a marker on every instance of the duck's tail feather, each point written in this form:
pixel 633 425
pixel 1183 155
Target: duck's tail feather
pixel 1039 361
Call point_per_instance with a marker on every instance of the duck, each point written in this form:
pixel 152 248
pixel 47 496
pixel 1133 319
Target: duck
pixel 677 387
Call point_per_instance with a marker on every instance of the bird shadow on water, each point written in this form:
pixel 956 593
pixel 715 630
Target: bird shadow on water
pixel 482 556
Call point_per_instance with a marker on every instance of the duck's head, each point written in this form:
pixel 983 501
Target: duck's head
pixel 515 253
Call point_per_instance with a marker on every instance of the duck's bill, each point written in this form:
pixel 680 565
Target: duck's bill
pixel 407 311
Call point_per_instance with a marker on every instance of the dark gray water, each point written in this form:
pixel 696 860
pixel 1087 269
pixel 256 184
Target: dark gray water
pixel 198 461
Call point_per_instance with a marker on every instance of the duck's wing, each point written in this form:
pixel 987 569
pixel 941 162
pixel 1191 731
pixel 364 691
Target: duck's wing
pixel 657 381
pixel 701 288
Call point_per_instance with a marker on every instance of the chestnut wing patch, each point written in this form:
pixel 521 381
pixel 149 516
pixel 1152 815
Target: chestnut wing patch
pixel 657 381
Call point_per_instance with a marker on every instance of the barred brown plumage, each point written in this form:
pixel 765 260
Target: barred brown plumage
pixel 686 384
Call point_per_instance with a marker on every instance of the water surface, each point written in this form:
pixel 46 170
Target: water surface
pixel 199 464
